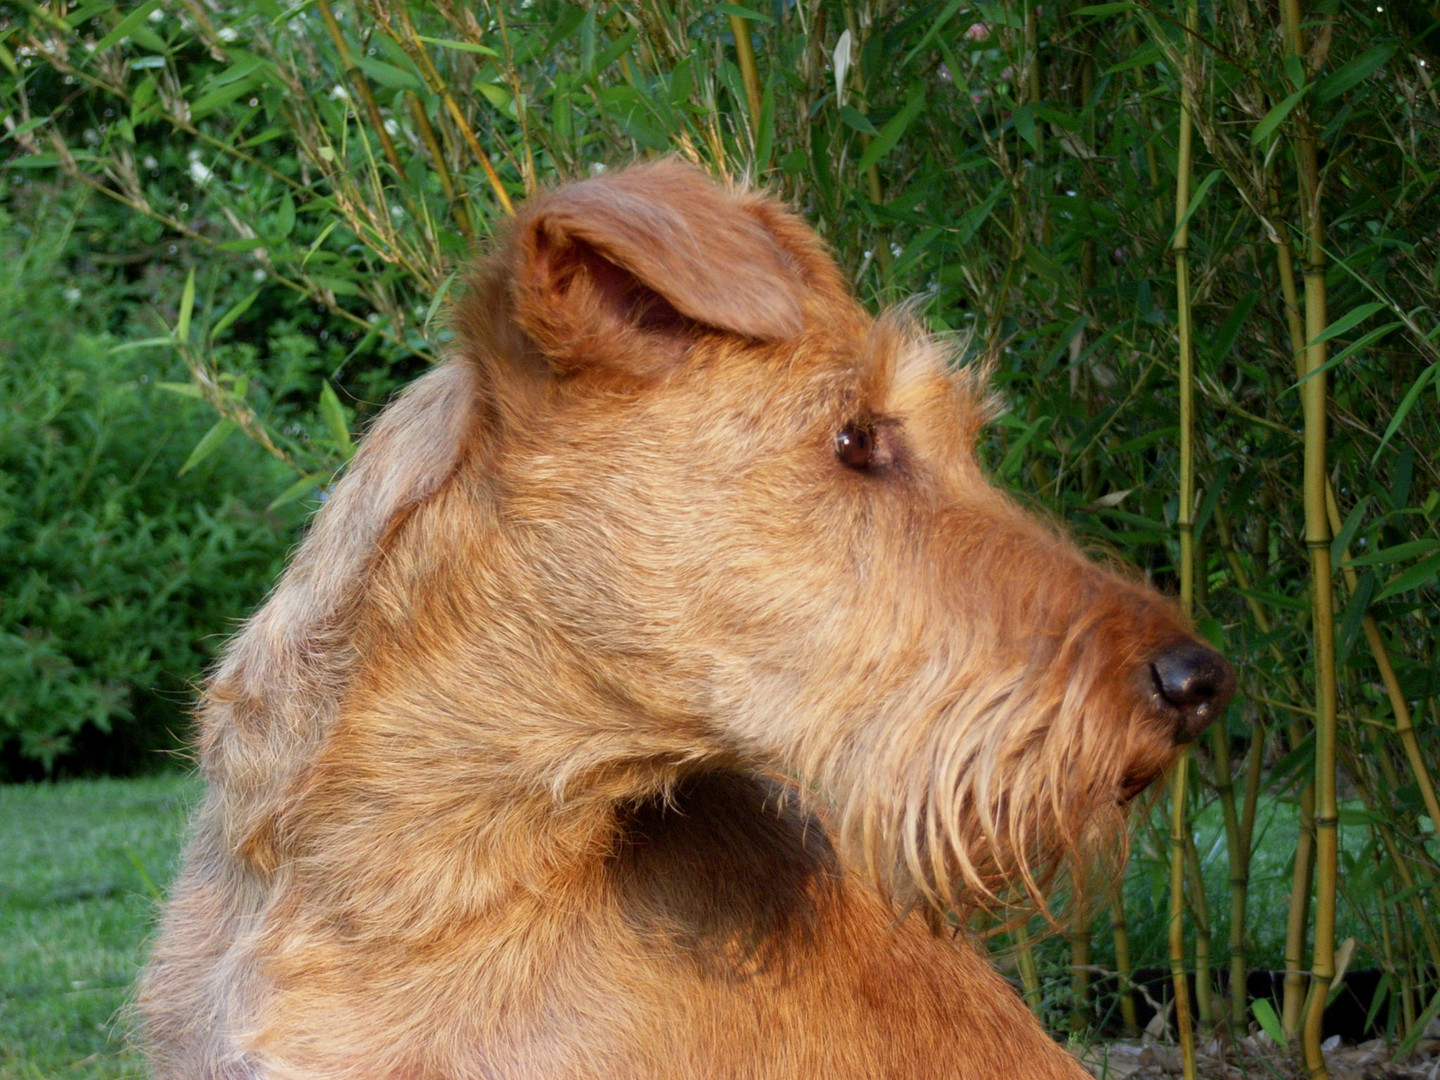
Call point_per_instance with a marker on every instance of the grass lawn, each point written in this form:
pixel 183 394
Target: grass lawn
pixel 78 893
pixel 86 862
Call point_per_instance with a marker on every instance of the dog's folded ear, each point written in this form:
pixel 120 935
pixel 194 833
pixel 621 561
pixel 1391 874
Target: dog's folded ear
pixel 626 269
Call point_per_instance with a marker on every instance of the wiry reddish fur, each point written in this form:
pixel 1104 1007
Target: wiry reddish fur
pixel 491 774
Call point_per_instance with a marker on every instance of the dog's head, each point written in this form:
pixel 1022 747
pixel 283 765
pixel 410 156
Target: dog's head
pixel 680 502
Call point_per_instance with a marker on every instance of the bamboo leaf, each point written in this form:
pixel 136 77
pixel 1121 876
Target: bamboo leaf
pixel 1379 1000
pixel 1422 573
pixel 461 46
pixel 1343 538
pixel 265 136
pixel 497 94
pixel 1024 121
pixel 1195 200
pixel 616 48
pixel 208 102
pixel 187 308
pixel 234 313
pixel 1355 611
pixel 1346 321
pixel 243 64
pixel 183 389
pixel 1354 71
pixel 128 25
pixel 765 130
pixel 25 128
pixel 936 25
pixel 1363 342
pixel 1148 53
pixel 208 444
pixel 285 217
pixel 854 118
pixel 1397 553
pixel 743 13
pixel 1276 116
pixel 306 484
pixel 143 343
pixel 315 246
pixel 439 299
pixel 334 416
pixel 587 43
pixel 1418 1029
pixel 893 129
pixel 43 161
pixel 1225 337
pixel 388 74
pixel 1403 410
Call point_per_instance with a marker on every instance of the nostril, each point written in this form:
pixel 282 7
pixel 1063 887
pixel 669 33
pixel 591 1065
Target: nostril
pixel 1196 681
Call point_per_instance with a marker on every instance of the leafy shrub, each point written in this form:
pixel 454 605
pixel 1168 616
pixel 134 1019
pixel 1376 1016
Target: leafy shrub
pixel 119 573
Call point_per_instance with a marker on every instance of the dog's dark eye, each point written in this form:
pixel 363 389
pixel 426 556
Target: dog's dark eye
pixel 855 446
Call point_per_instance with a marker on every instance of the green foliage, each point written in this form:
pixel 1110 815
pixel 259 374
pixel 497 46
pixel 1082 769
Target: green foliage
pixel 327 169
pixel 120 576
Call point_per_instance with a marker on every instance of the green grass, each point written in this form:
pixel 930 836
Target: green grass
pixel 78 894
pixel 87 860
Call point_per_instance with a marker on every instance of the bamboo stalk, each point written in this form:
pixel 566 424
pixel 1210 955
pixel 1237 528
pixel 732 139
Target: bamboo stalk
pixel 1200 913
pixel 1080 971
pixel 749 75
pixel 1124 971
pixel 872 175
pixel 1031 85
pixel 1237 849
pixel 361 86
pixel 1412 895
pixel 1179 828
pixel 1298 913
pixel 1317 541
pixel 1176 936
pixel 1404 725
pixel 409 40
pixel 458 208
pixel 1029 969
pixel 1238 826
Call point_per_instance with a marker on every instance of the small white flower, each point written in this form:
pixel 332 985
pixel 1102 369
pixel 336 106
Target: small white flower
pixel 200 172
pixel 227 33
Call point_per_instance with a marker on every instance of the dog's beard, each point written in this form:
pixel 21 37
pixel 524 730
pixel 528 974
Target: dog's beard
pixel 1009 796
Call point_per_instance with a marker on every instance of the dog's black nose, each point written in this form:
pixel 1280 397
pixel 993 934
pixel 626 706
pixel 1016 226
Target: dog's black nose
pixel 1197 682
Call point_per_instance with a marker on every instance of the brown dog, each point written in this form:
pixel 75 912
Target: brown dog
pixel 492 773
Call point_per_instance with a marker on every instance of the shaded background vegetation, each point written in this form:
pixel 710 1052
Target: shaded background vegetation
pixel 233 228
